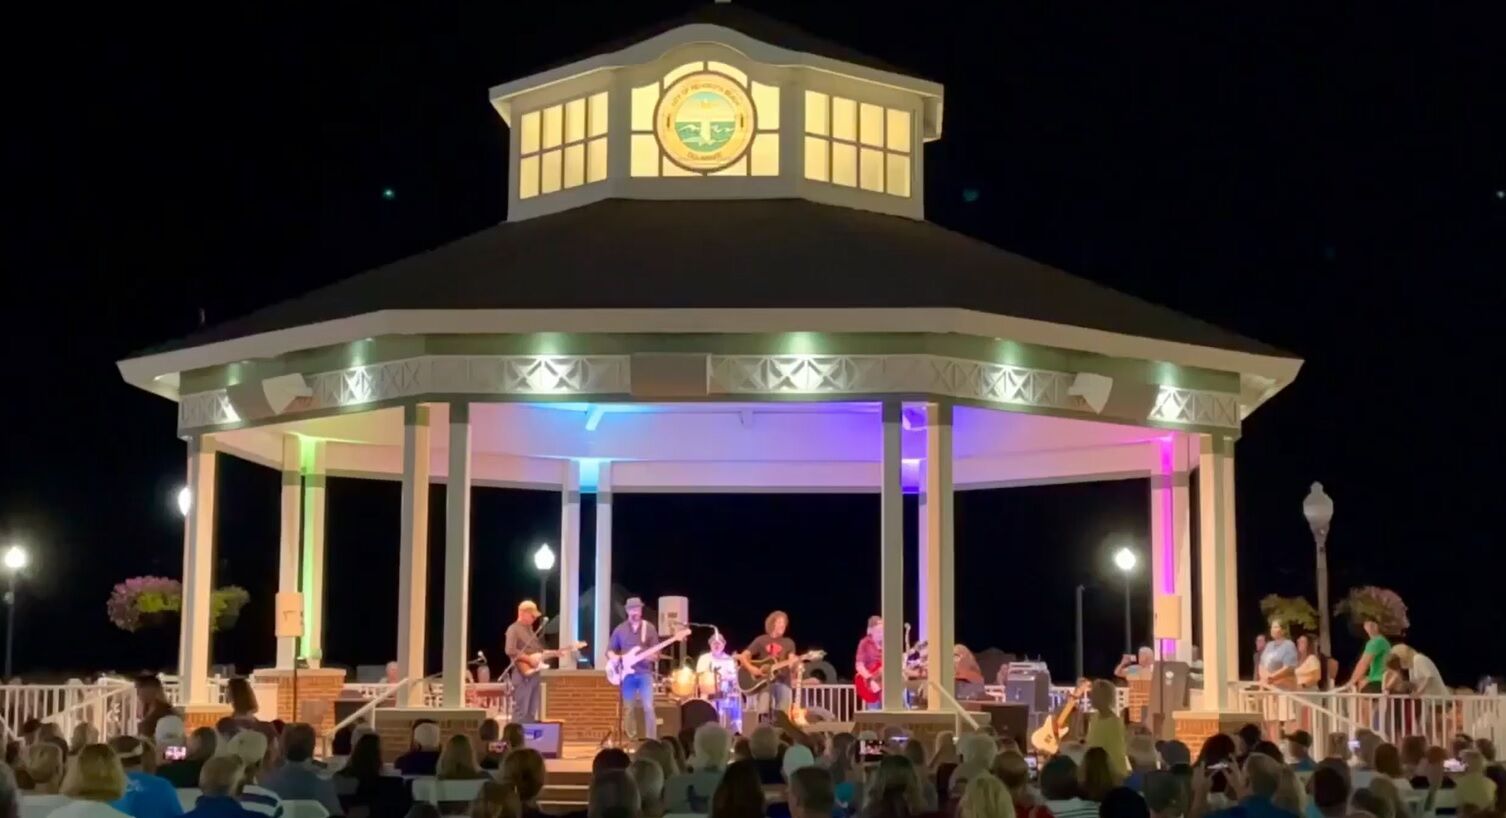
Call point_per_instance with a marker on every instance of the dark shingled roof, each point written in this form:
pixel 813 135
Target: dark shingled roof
pixel 744 20
pixel 784 253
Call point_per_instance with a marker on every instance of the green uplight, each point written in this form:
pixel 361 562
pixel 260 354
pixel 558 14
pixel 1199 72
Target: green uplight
pixel 388 194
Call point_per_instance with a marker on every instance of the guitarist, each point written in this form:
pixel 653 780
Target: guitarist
pixel 521 643
pixel 774 646
pixel 638 686
pixel 870 658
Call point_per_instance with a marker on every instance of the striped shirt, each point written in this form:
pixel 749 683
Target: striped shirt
pixel 1073 808
pixel 261 801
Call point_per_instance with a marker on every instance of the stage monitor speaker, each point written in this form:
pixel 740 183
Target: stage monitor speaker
pixel 667 712
pixel 1029 687
pixel 1008 719
pixel 544 736
pixel 1168 694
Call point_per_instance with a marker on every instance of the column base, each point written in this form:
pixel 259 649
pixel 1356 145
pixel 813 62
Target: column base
pixel 203 715
pixel 921 725
pixel 1193 727
pixel 318 688
pixel 394 725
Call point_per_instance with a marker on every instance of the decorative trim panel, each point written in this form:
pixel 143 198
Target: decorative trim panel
pixel 1196 407
pixel 890 374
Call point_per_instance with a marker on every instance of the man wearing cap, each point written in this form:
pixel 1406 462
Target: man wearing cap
pixel 522 646
pixel 637 686
pixel 1299 748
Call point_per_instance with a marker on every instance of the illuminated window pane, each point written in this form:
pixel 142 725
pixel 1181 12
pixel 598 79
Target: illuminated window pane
pixel 730 70
pixel 554 125
pixel 644 100
pixel 738 168
pixel 645 158
pixel 897 179
pixel 871 125
pixel 575 165
pixel 766 101
pixel 528 177
pixel 671 169
pixel 575 120
pixel 596 160
pixel 528 137
pixel 899 130
pixel 815 159
pixel 549 172
pixel 844 164
pixel 871 170
pixel 598 114
pixel 844 118
pixel 687 68
pixel 765 155
pixel 817 108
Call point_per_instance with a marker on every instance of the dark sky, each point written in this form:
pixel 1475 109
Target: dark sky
pixel 1329 178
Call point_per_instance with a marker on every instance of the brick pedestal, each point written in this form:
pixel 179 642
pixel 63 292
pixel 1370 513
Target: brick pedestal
pixel 203 715
pixel 394 725
pixel 321 685
pixel 1193 727
pixel 1139 699
pixel 921 725
pixel 583 700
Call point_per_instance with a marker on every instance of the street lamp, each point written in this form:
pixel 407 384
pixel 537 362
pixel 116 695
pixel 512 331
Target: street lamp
pixel 1317 507
pixel 543 559
pixel 16 559
pixel 185 500
pixel 1124 560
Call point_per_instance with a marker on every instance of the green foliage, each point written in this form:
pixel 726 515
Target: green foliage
pixel 1372 602
pixel 1294 612
pixel 225 606
pixel 144 602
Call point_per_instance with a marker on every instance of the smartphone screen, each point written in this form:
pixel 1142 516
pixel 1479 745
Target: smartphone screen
pixel 1453 765
pixel 871 750
pixel 497 747
pixel 175 753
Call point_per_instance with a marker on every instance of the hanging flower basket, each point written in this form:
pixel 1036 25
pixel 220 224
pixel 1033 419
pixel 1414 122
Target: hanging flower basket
pixel 1372 602
pixel 147 602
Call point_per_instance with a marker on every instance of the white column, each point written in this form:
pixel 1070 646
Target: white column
pixel 198 573
pixel 569 612
pixel 602 603
pixel 941 629
pixel 1220 620
pixel 313 550
pixel 413 556
pixel 457 554
pixel 892 559
pixel 1170 551
pixel 287 540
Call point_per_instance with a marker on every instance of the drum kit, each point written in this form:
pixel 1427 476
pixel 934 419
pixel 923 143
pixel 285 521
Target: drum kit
pixel 711 695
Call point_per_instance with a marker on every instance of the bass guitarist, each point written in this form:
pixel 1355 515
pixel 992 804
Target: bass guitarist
pixel 772 646
pixel 637 686
pixel 521 644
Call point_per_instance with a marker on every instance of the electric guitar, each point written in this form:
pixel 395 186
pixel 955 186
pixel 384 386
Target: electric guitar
pixel 1048 738
pixel 531 663
pixel 620 667
pixel 871 689
pixel 749 682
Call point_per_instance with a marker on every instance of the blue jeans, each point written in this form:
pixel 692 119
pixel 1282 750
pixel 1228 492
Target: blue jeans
pixel 525 697
pixel 778 693
pixel 638 694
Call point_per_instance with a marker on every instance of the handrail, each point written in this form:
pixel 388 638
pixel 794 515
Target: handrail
pixel 957 710
pixel 99 698
pixel 368 707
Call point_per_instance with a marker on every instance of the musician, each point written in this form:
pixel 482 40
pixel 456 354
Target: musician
pixel 717 660
pixel 723 669
pixel 968 675
pixel 773 645
pixel 638 686
pixel 870 656
pixel 521 644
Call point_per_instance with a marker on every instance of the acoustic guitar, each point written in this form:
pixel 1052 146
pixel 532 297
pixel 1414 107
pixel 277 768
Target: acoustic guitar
pixel 1048 739
pixel 750 683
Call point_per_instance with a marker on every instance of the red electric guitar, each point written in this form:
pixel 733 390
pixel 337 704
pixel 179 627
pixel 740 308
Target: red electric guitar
pixel 871 689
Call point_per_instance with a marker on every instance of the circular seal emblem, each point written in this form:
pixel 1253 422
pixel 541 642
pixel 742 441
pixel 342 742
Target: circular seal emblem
pixel 704 121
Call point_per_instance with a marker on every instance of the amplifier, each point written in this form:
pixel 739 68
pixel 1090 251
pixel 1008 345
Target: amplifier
pixel 1009 719
pixel 1029 687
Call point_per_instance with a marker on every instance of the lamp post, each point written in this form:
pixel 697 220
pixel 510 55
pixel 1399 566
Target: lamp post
pixel 1317 507
pixel 184 498
pixel 16 559
pixel 1124 560
pixel 1078 657
pixel 543 559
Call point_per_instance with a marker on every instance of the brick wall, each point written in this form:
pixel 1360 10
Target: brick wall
pixel 1195 727
pixel 1139 699
pixel 583 700
pixel 203 715
pixel 314 685
pixel 394 725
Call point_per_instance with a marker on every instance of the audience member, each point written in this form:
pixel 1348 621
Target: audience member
pixel 152 704
pixel 1269 750
pixel 1337 746
pixel 1472 789
pixel 658 752
pixel 512 733
pixel 742 750
pixel 494 800
pixel 1256 788
pixel 250 746
pixel 298 779
pixel 739 794
pixel 986 797
pixel 219 781
pixel 1123 802
pixel 1414 751
pixel 916 752
pixel 1174 752
pixel 1097 774
pixel 84 734
pixel 612 758
pixel 523 769
pixel 1487 748
pixel 44 765
pixel 1248 735
pixel 944 750
pixel 491 750
pixel 457 762
pixel 796 757
pixel 648 776
pixel 1165 797
pixel 614 795
pixel 1299 747
pixel 811 794
pixel 1143 759
pixel 894 790
pixel 95 779
pixel 1062 789
pixel 184 772
pixel 1106 729
pixel 1497 775
pixel 1369 802
pixel 423 758
pixel 763 745
pixel 1386 788
pixel 146 795
pixel 691 791
pixel 1288 797
pixel 1388 765
pixel 975 753
pixel 1012 771
pixel 1330 793
pixel 10 794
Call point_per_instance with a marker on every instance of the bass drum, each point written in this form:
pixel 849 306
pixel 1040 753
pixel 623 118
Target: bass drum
pixel 695 713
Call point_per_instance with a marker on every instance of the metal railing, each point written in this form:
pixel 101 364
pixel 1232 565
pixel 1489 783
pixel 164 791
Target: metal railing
pixel 1436 718
pixel 108 704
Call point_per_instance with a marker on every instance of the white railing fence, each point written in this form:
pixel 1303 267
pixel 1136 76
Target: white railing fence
pixel 108 704
pixel 1435 718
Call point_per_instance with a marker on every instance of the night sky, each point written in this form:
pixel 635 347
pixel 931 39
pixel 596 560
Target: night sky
pixel 1328 180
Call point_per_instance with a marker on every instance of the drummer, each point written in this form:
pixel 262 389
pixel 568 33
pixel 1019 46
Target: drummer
pixel 716 678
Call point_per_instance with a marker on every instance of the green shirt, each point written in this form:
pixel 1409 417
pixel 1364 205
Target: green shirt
pixel 1376 649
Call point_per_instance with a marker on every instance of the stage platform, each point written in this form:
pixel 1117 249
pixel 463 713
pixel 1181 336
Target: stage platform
pixel 568 777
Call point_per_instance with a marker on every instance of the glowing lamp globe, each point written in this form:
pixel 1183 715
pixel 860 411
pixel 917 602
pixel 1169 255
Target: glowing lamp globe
pixel 1124 560
pixel 543 559
pixel 16 558
pixel 185 500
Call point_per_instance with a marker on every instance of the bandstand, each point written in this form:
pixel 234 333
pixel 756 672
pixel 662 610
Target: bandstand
pixel 716 276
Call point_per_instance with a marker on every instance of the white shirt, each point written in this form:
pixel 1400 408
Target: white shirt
pixel 724 665
pixel 87 809
pixel 1425 678
pixel 40 806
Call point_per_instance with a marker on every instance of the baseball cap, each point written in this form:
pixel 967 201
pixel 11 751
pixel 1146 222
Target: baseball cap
pixel 169 730
pixel 250 746
pixel 1301 738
